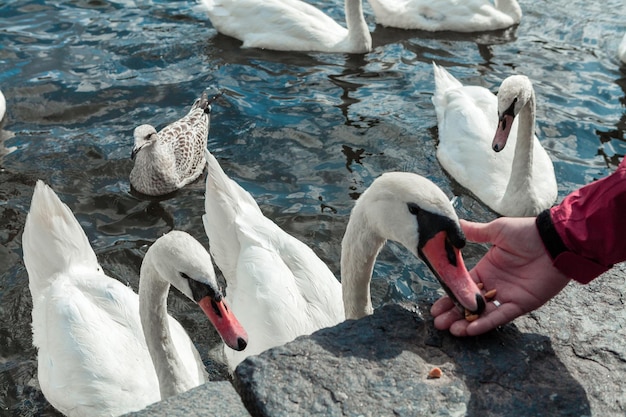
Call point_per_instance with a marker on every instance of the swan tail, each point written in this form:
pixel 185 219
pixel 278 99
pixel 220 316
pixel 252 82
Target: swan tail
pixel 53 240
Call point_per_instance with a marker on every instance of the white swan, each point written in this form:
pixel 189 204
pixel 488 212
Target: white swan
pixel 290 25
pixel 454 15
pixel 621 50
pixel 280 289
pixel 3 106
pixel 93 357
pixel 275 282
pixel 517 180
pixel 410 210
pixel 174 157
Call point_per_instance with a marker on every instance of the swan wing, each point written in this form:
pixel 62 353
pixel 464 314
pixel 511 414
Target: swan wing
pixel 283 290
pixel 455 15
pixel 92 355
pixel 224 199
pixel 275 24
pixel 53 240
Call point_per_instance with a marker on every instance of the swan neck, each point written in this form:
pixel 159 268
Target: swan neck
pixel 360 247
pixel 358 32
pixel 520 182
pixel 153 291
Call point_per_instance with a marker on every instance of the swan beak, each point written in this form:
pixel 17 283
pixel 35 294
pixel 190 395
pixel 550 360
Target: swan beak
pixel 502 132
pixel 225 322
pixel 446 262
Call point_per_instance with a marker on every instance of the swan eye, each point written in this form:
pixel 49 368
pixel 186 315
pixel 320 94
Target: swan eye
pixel 515 100
pixel 184 276
pixel 413 208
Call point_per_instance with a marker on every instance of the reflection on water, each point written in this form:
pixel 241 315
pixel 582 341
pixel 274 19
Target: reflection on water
pixel 304 133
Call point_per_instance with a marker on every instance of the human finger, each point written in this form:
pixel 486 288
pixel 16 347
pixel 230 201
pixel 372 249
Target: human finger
pixel 496 314
pixel 442 305
pixel 446 318
pixel 478 232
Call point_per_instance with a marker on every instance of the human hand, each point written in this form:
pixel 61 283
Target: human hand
pixel 517 266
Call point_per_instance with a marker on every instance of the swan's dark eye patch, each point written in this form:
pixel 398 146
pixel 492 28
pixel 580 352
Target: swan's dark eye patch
pixel 200 290
pixel 414 209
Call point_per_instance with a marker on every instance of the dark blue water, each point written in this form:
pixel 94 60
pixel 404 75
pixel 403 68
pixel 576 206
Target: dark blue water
pixel 304 133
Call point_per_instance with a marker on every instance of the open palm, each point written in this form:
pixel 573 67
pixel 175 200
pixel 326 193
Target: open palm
pixel 517 266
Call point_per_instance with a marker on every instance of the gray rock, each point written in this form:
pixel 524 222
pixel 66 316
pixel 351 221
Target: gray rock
pixel 217 399
pixel 587 328
pixel 379 366
pixel 566 359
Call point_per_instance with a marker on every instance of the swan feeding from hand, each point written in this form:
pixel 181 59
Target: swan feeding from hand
pixel 517 180
pixel 290 25
pixel 280 289
pixel 103 349
pixel 411 210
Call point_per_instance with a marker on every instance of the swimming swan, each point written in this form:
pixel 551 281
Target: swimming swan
pixel 3 106
pixel 290 25
pixel 103 349
pixel 280 289
pixel 454 15
pixel 517 180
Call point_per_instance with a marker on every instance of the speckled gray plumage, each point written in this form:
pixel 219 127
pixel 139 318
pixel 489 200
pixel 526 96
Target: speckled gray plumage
pixel 172 158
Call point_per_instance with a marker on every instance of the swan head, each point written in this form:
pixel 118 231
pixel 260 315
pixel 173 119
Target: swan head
pixel 514 94
pixel 182 261
pixel 413 211
pixel 145 135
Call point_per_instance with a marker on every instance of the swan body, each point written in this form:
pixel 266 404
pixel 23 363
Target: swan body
pixel 621 50
pixel 174 157
pixel 277 287
pixel 100 350
pixel 414 212
pixel 280 289
pixel 290 25
pixel 516 180
pixel 453 15
pixel 3 106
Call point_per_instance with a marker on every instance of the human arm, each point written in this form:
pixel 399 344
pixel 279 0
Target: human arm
pixel 531 260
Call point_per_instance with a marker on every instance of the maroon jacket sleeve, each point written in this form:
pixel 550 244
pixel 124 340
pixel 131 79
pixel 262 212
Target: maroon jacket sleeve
pixel 586 234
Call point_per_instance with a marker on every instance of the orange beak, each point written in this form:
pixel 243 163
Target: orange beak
pixel 225 322
pixel 502 132
pixel 446 263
